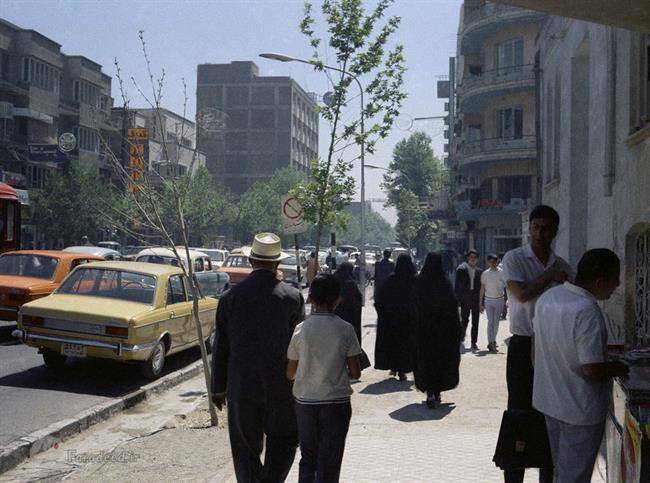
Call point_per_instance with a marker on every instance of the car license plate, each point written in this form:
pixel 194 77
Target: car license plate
pixel 76 350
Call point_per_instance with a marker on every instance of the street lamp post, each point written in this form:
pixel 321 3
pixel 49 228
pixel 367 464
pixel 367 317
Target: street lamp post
pixel 362 266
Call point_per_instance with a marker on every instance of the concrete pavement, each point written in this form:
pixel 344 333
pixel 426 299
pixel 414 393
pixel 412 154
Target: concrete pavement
pixel 393 436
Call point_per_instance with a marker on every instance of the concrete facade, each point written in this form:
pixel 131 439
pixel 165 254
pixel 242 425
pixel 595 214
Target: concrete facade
pixel 595 157
pixel 494 146
pixel 43 94
pixel 171 148
pixel 251 125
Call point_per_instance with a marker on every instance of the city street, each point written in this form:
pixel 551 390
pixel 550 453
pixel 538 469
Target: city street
pixel 393 437
pixel 33 397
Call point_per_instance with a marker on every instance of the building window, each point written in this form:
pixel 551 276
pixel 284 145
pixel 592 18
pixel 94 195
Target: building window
pixel 514 187
pixel 642 288
pixel 509 56
pixel 41 75
pixel 510 123
pixel 86 92
pixel 87 139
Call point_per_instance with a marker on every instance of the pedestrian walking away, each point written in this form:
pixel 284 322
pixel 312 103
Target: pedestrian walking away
pixel 467 288
pixel 396 305
pixel 383 269
pixel 255 321
pixel 528 271
pixel 350 306
pixel 571 367
pixel 312 268
pixel 492 302
pixel 439 332
pixel 323 356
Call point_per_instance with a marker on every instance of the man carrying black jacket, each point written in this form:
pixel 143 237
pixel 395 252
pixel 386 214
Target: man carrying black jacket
pixel 255 321
pixel 468 288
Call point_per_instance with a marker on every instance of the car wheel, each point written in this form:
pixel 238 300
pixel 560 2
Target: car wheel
pixel 152 367
pixel 54 360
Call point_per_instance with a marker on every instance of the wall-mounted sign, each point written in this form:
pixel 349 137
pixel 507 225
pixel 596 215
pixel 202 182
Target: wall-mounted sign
pixel 46 152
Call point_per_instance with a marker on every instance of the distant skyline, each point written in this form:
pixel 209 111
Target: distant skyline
pixel 182 34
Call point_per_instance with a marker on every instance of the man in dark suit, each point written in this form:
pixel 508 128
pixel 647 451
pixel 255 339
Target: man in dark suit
pixel 468 288
pixel 255 321
pixel 383 269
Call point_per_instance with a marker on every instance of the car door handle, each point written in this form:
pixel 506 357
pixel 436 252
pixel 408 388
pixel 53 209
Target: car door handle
pixel 172 315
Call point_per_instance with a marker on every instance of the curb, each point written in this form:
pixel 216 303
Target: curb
pixel 23 448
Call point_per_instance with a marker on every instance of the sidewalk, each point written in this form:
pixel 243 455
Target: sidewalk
pixel 393 436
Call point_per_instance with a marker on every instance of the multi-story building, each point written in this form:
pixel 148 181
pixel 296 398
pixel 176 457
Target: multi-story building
pixel 493 145
pixel 169 140
pixel 595 162
pixel 45 93
pixel 251 125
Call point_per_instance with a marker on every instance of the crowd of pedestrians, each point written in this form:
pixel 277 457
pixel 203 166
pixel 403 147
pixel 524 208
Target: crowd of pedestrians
pixel 288 378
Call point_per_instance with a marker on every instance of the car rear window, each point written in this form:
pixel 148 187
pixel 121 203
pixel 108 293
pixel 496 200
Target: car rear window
pixel 37 266
pixel 114 284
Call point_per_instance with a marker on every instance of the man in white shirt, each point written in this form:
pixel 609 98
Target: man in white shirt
pixel 492 286
pixel 571 370
pixel 529 271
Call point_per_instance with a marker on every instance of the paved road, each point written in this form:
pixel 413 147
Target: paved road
pixel 32 397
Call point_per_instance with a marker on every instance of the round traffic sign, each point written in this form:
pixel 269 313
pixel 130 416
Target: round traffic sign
pixel 291 209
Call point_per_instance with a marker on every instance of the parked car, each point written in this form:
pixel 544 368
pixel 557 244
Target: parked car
pixel 104 253
pixel 218 257
pixel 31 274
pixel 113 245
pixel 347 249
pixel 213 284
pixel 132 312
pixel 290 271
pixel 131 251
pixel 238 267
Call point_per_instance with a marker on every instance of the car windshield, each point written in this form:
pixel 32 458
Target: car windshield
pixel 238 262
pixel 114 284
pixel 291 260
pixel 160 260
pixel 37 266
pixel 215 256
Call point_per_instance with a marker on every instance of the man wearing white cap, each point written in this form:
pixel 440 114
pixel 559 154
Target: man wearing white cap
pixel 255 321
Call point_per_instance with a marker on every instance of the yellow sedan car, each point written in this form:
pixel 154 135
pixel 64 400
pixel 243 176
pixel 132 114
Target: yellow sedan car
pixel 129 311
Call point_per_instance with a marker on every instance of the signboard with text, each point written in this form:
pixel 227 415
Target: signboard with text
pixel 42 152
pixel 138 153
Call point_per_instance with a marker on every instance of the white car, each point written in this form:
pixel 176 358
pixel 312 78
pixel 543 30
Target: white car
pixel 218 257
pixel 105 253
pixel 290 271
pixel 213 284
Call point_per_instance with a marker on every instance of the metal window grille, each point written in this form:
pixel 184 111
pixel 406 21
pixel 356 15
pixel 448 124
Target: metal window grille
pixel 642 288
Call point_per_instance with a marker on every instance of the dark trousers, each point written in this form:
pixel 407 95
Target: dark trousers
pixel 519 377
pixel 248 423
pixel 322 429
pixel 465 310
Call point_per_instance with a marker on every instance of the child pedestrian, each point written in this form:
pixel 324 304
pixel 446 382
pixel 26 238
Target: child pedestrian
pixel 323 357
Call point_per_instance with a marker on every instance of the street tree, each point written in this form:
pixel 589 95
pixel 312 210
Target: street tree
pixel 258 209
pixel 414 175
pixel 145 192
pixel 70 204
pixel 357 40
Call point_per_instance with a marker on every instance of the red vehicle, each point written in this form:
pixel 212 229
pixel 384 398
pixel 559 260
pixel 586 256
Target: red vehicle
pixel 9 219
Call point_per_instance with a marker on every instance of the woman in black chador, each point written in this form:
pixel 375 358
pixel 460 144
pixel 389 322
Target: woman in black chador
pixel 397 320
pixel 439 332
pixel 349 308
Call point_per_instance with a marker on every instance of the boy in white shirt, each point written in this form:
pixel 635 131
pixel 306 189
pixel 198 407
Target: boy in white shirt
pixel 323 356
pixel 492 289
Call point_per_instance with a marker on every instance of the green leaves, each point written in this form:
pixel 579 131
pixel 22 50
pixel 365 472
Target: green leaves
pixel 414 175
pixel 357 41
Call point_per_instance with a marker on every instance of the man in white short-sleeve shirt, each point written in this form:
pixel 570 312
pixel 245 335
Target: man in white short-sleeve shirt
pixel 571 371
pixel 529 271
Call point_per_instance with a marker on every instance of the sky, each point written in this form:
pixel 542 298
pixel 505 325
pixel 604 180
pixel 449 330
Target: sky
pixel 181 34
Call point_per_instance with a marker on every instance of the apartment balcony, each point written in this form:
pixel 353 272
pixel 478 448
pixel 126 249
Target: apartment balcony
pixel 476 89
pixel 497 149
pixel 482 22
pixel 69 106
pixel 468 211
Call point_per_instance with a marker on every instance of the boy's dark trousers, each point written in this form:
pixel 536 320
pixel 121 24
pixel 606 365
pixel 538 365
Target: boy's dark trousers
pixel 322 429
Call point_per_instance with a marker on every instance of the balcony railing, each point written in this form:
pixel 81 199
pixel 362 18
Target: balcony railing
pixel 69 103
pixel 494 11
pixel 498 145
pixel 502 76
pixel 466 210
